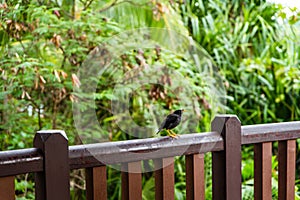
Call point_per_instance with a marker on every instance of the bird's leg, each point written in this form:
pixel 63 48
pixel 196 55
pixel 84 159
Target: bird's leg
pixel 168 131
pixel 172 134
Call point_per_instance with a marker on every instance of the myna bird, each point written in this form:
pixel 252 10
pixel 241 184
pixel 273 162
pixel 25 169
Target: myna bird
pixel 171 122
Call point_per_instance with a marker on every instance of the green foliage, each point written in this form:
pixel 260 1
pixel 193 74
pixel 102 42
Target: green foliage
pixel 24 186
pixel 256 52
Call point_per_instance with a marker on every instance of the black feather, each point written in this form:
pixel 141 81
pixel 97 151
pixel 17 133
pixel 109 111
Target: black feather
pixel 171 121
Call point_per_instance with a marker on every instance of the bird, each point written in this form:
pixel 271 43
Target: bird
pixel 171 121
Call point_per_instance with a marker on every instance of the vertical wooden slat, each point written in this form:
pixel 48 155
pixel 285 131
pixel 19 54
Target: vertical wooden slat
pixel 96 185
pixel 124 183
pixel 263 171
pixel 7 188
pixel 132 181
pixel 164 179
pixel 54 182
pixel 218 175
pixel 286 169
pixel 135 180
pixel 226 165
pixel 195 180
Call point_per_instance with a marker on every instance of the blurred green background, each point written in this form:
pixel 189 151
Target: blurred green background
pixel 252 45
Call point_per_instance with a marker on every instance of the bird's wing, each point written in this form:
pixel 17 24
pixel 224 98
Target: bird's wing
pixel 162 126
pixel 171 119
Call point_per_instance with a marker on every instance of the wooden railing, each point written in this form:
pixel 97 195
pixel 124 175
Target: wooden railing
pixel 51 160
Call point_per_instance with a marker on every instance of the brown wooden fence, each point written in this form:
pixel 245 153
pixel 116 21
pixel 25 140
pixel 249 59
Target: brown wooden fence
pixel 51 160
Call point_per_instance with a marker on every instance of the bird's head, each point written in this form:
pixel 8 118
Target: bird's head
pixel 179 112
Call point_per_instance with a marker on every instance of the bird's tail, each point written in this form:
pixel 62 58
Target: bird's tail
pixel 158 131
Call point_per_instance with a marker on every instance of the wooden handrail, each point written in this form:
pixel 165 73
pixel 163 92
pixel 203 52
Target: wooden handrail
pixel 142 149
pixel 272 132
pixel 20 161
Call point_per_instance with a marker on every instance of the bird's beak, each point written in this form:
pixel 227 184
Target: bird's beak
pixel 183 110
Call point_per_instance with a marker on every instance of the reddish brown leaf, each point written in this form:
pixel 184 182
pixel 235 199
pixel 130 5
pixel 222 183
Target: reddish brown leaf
pixel 63 74
pixel 27 95
pixel 75 81
pixel 42 79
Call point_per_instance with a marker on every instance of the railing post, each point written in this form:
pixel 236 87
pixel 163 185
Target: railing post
pixel 54 182
pixel 226 165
